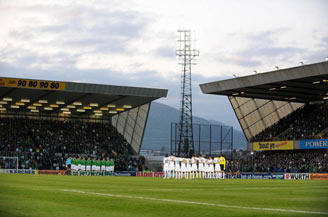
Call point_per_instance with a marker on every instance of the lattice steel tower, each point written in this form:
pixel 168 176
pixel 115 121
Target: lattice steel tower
pixel 187 55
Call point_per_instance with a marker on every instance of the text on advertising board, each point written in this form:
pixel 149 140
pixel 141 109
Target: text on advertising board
pixel 276 145
pixel 296 176
pixel 314 144
pixel 34 84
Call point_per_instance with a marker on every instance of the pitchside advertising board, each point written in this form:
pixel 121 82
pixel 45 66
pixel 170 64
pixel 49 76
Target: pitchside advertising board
pixel 262 176
pixel 20 171
pixel 314 144
pixel 275 145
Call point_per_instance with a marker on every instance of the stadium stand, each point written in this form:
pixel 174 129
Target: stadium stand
pixel 45 144
pixel 43 122
pixel 305 123
pixel 284 116
pixel 300 161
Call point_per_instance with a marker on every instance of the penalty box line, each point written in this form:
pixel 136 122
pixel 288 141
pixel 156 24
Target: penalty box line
pixel 194 202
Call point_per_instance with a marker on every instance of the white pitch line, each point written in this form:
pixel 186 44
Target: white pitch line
pixel 194 202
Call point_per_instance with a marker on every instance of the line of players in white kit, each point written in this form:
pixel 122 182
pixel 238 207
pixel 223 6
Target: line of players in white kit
pixel 191 168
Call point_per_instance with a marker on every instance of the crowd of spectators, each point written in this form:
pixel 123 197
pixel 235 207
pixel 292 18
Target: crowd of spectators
pixel 45 144
pixel 305 123
pixel 293 161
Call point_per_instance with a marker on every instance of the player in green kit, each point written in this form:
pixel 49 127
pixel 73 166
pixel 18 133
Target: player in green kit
pixel 107 167
pixel 83 163
pixel 111 167
pixel 88 166
pixel 75 166
pixel 94 166
pixel 98 167
pixel 103 167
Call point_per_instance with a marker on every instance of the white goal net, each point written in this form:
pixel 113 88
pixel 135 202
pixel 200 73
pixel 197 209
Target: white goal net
pixel 10 163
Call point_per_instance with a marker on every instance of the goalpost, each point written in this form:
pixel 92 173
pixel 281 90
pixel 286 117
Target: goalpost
pixel 9 163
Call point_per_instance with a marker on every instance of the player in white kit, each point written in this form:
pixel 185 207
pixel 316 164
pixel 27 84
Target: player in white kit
pixel 177 168
pixel 206 168
pixel 183 167
pixel 166 161
pixel 201 167
pixel 172 167
pixel 194 168
pixel 189 168
pixel 217 169
pixel 211 168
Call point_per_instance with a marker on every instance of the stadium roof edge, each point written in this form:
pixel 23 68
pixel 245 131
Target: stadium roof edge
pixel 293 84
pixel 105 88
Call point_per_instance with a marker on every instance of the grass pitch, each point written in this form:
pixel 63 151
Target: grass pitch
pixel 49 195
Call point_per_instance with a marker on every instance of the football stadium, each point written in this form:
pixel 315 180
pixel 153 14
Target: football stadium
pixel 73 149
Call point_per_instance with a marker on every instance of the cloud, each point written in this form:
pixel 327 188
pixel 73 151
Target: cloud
pixel 165 52
pixel 133 42
pixel 263 44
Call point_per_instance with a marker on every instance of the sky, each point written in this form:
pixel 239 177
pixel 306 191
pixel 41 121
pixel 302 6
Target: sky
pixel 133 42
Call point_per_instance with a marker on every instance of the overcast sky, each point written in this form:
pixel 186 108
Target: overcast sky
pixel 133 42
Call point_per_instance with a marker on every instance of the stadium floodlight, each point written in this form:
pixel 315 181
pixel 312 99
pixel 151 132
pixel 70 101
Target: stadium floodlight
pixel 3 102
pixel 87 107
pixel 273 88
pixel 14 106
pixel 104 109
pixel 120 109
pixel 127 106
pixel 20 103
pixel 80 110
pixel 64 109
pixel 8 99
pixel 112 112
pixel 35 110
pixel 2 109
pixel 43 101
pixel 316 82
pixel 71 106
pixel 94 104
pixel 25 100
pixel 60 102
pixel 48 108
pixel 111 106
pixel 37 104
pixel 31 107
pixel 54 106
pixel 77 103
pixel 283 87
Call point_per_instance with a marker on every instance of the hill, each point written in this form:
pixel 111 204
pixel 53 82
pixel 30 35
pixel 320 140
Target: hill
pixel 157 133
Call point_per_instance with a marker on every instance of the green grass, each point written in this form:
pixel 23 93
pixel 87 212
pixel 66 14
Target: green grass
pixel 43 195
